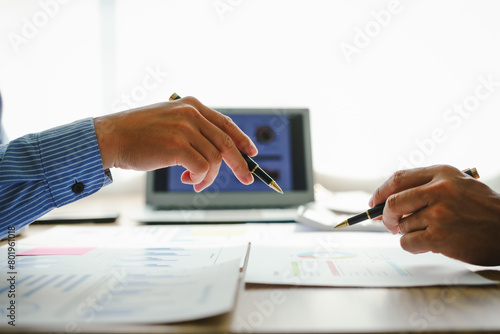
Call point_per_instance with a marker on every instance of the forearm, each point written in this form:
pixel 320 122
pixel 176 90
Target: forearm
pixel 39 172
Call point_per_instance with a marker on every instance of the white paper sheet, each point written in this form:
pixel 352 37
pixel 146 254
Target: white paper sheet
pixel 375 260
pixel 233 238
pixel 151 281
pixel 71 299
pixel 157 235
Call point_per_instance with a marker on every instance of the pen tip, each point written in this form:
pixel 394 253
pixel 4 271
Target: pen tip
pixel 345 223
pixel 275 186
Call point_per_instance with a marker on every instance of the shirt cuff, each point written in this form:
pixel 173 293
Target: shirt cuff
pixel 72 162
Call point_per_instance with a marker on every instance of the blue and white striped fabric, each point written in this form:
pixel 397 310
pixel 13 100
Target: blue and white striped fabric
pixel 41 171
pixel 3 137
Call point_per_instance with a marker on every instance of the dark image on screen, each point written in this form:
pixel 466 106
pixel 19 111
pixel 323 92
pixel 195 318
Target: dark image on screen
pixel 278 149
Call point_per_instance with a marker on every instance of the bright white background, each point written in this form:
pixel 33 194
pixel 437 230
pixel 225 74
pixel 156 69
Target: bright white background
pixel 372 113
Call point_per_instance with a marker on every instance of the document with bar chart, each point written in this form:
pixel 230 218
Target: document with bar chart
pixel 316 265
pixel 77 287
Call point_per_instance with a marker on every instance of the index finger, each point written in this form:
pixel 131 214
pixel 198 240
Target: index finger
pixel 227 137
pixel 399 181
pixel 403 203
pixel 225 123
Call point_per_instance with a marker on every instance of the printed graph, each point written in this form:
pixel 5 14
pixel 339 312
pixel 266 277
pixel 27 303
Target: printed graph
pixel 327 255
pixel 31 284
pixel 347 264
pixel 152 258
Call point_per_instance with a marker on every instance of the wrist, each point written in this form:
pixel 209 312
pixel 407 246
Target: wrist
pixel 103 129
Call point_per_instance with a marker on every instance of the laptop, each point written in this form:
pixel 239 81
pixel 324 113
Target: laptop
pixel 282 137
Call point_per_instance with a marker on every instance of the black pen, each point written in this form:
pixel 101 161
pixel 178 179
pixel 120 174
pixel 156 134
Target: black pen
pixel 377 210
pixel 253 167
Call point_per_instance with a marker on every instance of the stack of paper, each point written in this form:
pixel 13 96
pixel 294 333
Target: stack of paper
pixel 72 286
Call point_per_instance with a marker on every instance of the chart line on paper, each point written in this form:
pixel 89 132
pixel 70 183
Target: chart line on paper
pixel 141 265
pixel 397 268
pixel 295 268
pixel 37 279
pixel 81 280
pixel 2 290
pixel 333 268
pixel 40 286
pixel 327 255
pixel 64 281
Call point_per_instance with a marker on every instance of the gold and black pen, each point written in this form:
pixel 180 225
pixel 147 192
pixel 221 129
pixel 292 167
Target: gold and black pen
pixel 253 167
pixel 377 210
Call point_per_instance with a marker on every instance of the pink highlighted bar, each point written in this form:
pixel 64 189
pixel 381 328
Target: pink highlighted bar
pixel 56 251
pixel 333 268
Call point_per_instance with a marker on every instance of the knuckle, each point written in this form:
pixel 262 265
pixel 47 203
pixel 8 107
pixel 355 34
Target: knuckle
pixel 191 100
pixel 440 212
pixel 403 226
pixel 216 157
pixel 203 165
pixel 177 143
pixel 227 142
pixel 438 235
pixel 228 121
pixel 405 243
pixel 184 127
pixel 227 124
pixel 447 169
pixel 377 195
pixel 190 112
pixel 444 188
pixel 414 244
pixel 392 202
pixel 397 179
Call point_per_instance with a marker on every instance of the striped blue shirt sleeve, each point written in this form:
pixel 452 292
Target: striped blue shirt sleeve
pixel 41 171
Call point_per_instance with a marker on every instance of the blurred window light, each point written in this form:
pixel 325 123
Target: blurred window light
pixel 390 84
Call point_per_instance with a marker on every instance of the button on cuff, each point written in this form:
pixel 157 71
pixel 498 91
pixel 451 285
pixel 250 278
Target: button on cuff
pixel 78 188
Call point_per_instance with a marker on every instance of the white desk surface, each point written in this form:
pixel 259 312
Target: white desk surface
pixel 280 309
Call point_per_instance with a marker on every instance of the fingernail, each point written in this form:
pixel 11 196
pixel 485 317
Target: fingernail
pixel 252 150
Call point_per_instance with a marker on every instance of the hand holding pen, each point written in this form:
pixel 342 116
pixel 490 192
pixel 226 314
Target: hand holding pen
pixel 443 210
pixel 184 132
pixel 377 210
pixel 253 167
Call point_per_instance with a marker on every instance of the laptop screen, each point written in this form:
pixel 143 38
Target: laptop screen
pixel 283 140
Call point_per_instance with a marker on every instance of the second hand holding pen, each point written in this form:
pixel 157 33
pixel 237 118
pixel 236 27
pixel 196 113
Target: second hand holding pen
pixel 253 167
pixel 377 210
